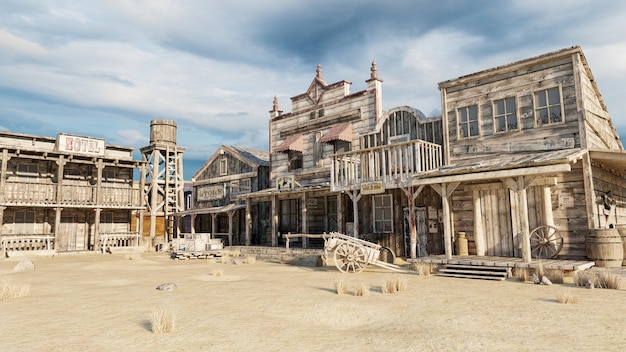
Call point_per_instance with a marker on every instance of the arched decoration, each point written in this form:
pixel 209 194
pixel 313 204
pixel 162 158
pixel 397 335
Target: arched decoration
pixel 402 124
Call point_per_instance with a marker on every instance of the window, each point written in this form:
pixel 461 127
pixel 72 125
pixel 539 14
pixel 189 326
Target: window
pixel 106 222
pixel 289 215
pixel 108 174
pixel 342 146
pixel 295 160
pixel 24 223
pixel 28 168
pixel 548 108
pixel 505 114
pixel 468 121
pixel 223 166
pixel 383 213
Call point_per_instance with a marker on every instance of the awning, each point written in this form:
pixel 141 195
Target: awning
pixel 212 210
pixel 293 142
pixel 341 132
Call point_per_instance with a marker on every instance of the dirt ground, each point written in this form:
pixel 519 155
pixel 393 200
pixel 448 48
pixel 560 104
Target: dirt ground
pixel 102 302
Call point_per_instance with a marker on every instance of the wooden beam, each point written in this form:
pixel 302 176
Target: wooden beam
pixel 499 174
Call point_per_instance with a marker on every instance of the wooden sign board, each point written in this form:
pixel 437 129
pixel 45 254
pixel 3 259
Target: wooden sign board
pixel 374 187
pixel 210 193
pixel 80 145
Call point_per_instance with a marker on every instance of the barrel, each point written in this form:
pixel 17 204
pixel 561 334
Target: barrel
pixel 604 246
pixel 622 232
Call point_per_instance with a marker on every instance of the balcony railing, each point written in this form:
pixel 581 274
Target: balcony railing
pixel 46 194
pixel 390 164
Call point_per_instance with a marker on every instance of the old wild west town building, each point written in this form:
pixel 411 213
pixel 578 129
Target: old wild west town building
pixel 216 205
pixel 72 193
pixel 520 146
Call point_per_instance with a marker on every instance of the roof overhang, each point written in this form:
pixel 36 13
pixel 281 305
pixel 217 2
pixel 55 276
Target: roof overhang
pixel 614 160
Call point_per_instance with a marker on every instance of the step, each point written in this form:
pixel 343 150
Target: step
pixel 474 271
pixel 477 272
pixel 473 276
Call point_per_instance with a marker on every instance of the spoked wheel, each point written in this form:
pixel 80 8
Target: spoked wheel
pixel 350 257
pixel 545 242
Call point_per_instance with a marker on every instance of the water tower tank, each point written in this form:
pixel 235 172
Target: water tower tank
pixel 162 131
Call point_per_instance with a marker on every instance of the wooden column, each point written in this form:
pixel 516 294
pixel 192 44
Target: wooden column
pixel 479 232
pixel 274 221
pixel 248 222
pixel 355 196
pixel 445 191
pixel 193 223
pixel 590 198
pixel 4 250
pixel 213 223
pixel 57 225
pixel 519 185
pixel 411 195
pixel 141 201
pixel 340 219
pixel 3 173
pixel 305 218
pixel 547 206
pixel 231 214
pixel 96 230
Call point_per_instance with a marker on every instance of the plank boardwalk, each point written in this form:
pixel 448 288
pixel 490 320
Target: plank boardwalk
pixel 509 262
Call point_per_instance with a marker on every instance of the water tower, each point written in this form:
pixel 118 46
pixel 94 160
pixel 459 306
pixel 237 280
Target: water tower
pixel 164 182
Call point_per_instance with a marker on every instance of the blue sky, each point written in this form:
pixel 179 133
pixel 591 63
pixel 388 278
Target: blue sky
pixel 107 68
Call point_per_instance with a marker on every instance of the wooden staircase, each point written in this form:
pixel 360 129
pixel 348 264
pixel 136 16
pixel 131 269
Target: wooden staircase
pixel 474 271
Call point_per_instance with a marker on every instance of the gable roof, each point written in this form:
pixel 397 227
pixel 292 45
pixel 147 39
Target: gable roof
pixel 252 157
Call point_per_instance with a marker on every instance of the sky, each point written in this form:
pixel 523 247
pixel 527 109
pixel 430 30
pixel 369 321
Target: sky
pixel 106 69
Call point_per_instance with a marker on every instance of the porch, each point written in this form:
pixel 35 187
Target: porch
pixel 507 262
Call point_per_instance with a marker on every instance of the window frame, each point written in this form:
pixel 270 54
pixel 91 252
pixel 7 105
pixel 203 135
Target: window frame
pixel 537 118
pixel 223 166
pixel 387 223
pixel 295 157
pixel 468 122
pixel 22 222
pixel 505 115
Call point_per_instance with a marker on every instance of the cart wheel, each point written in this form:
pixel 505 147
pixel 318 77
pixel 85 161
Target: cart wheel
pixel 545 242
pixel 350 257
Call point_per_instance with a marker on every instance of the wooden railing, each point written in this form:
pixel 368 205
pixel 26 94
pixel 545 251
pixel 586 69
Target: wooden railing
pixel 26 243
pixel 35 193
pixel 389 164
pixel 118 240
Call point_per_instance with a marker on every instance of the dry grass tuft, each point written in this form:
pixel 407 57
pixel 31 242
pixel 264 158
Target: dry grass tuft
pixel 341 286
pixel 250 259
pixel 566 297
pixel 540 270
pixel 361 290
pixel 604 279
pixel 522 274
pixel 555 275
pixel 10 289
pixel 395 283
pixel 217 273
pixel 163 319
pixel 423 269
pixel 134 256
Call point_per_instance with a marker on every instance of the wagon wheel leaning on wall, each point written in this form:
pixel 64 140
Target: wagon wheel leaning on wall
pixel 545 242
pixel 350 257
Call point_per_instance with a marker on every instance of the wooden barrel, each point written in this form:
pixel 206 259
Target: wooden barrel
pixel 622 231
pixel 604 246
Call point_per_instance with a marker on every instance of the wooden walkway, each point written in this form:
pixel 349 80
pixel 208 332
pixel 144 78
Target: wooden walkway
pixel 509 262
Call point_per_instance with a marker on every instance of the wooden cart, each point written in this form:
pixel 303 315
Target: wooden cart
pixel 352 255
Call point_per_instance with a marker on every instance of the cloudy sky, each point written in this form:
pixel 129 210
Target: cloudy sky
pixel 107 68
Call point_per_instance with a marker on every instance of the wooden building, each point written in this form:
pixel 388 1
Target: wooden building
pixel 521 146
pixel 69 193
pixel 341 163
pixel 217 199
pixel 530 144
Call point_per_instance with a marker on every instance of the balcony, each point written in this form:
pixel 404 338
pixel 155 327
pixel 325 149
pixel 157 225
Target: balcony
pixel 22 193
pixel 393 165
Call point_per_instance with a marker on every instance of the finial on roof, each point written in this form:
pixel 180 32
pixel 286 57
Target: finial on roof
pixel 319 71
pixel 276 108
pixel 374 74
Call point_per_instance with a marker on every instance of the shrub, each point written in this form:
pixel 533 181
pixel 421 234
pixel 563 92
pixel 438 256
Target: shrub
pixel 340 285
pixel 361 290
pixel 10 289
pixel 566 297
pixel 162 319
pixel 423 269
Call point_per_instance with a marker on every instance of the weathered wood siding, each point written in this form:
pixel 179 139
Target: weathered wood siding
pixel 521 84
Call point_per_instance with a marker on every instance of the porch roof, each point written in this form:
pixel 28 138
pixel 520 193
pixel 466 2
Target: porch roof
pixel 212 210
pixel 509 165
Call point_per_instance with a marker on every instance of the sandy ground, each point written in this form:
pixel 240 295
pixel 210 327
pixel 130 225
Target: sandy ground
pixel 97 302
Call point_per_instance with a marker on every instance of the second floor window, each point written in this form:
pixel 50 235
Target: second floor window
pixel 548 109
pixel 223 166
pixel 505 114
pixel 467 118
pixel 295 160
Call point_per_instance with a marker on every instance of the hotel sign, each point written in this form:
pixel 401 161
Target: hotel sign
pixel 374 187
pixel 210 193
pixel 80 145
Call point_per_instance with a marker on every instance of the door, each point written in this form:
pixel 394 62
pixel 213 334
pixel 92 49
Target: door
pixel 67 234
pixel 497 225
